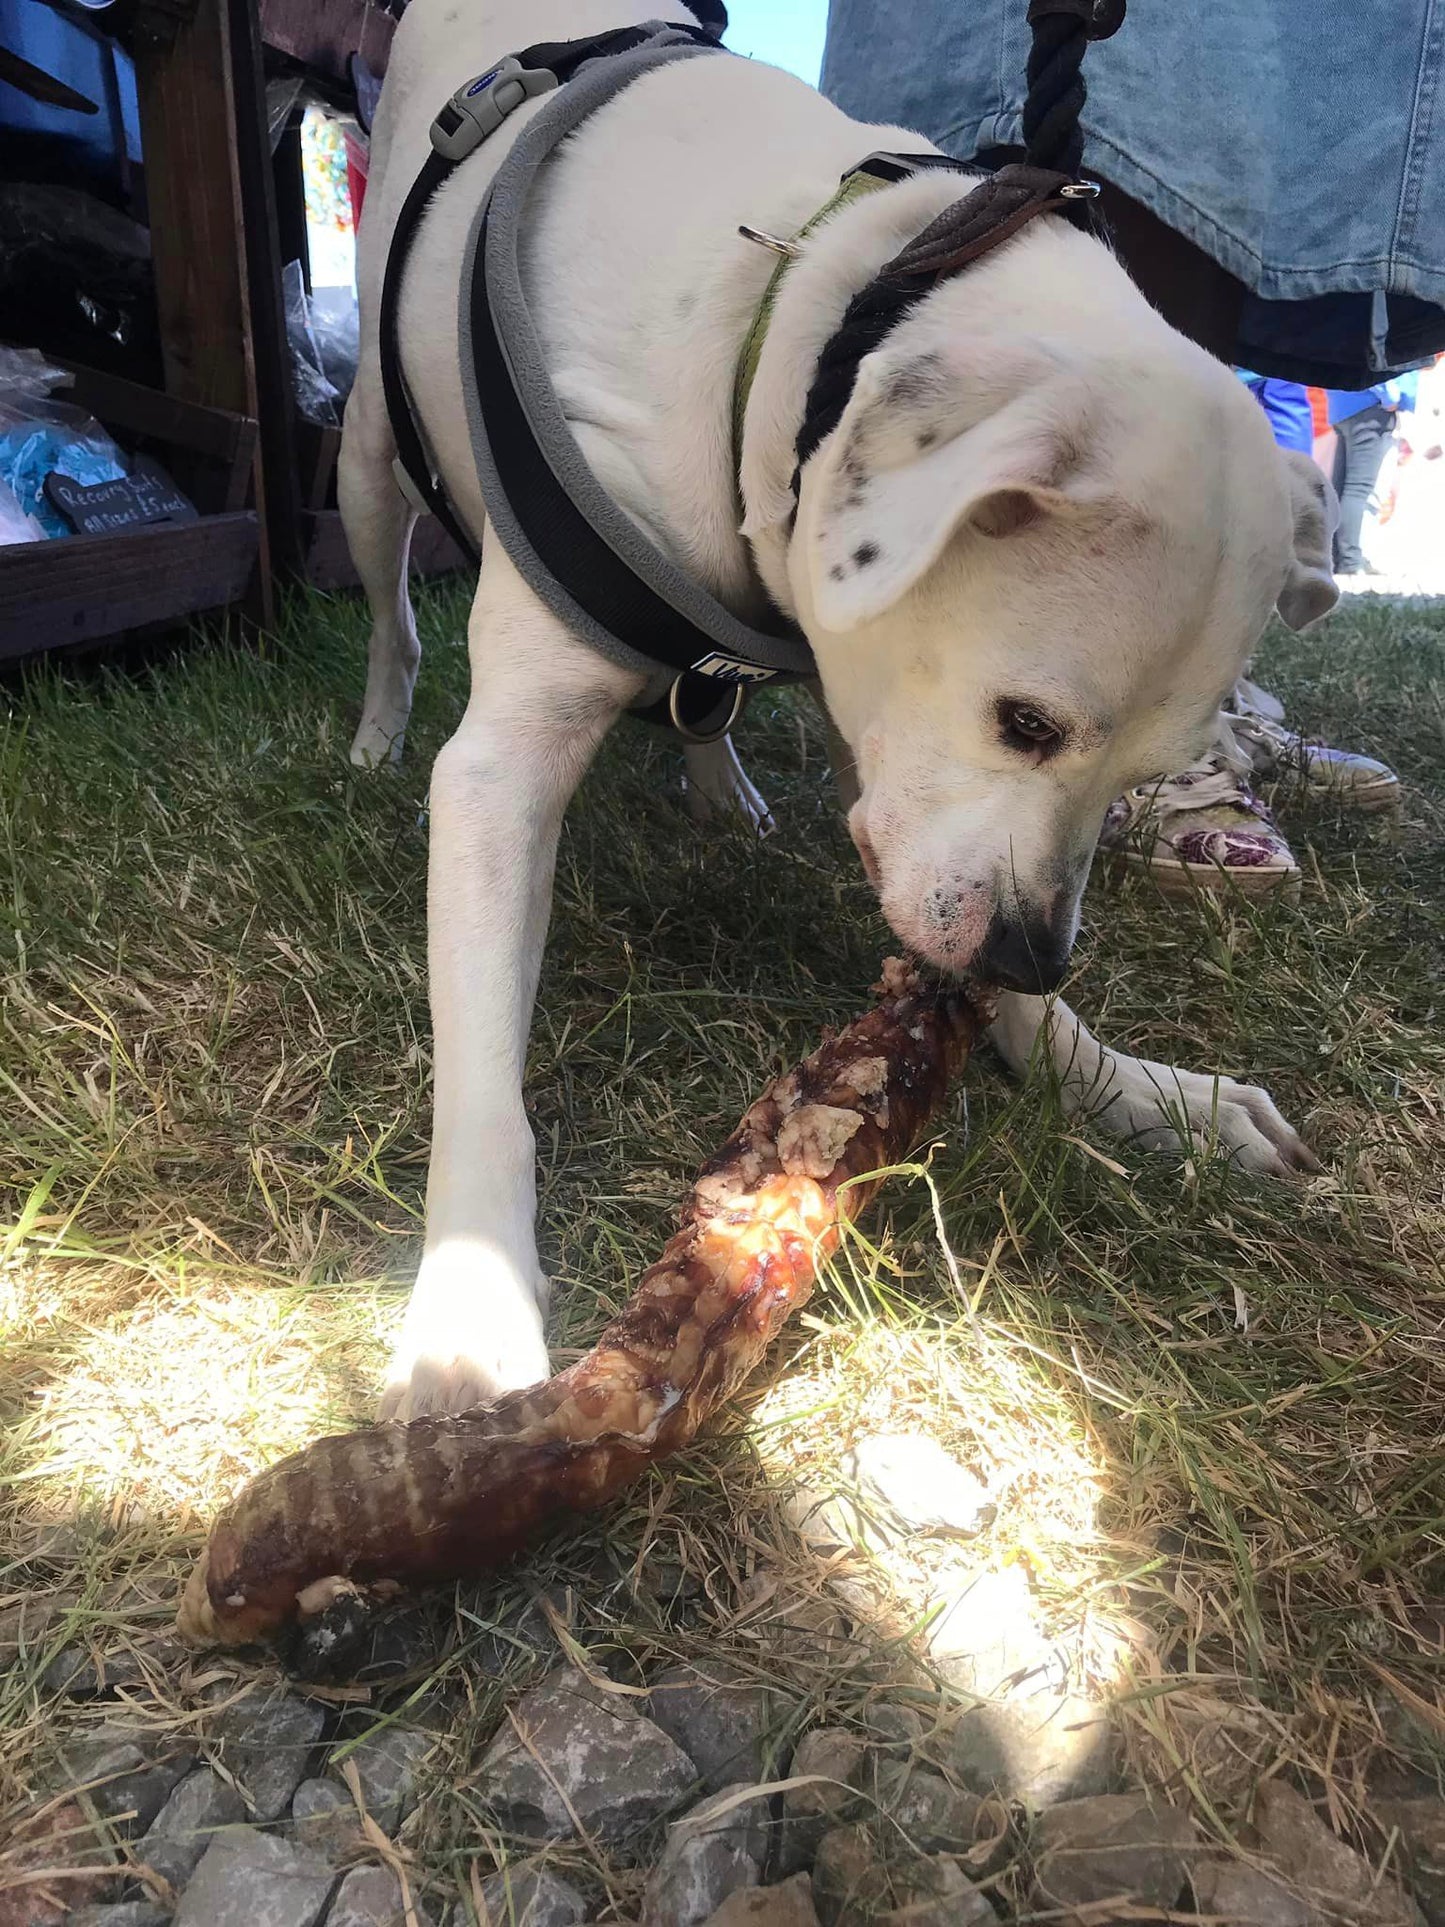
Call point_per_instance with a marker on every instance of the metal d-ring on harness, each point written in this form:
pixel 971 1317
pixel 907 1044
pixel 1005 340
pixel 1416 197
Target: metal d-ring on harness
pixel 587 559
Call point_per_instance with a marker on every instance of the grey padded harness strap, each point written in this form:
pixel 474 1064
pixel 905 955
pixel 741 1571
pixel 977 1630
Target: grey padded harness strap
pixel 741 653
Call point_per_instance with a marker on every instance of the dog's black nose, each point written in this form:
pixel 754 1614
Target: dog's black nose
pixel 1024 953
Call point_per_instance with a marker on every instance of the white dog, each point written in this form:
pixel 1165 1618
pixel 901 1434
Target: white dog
pixel 1031 559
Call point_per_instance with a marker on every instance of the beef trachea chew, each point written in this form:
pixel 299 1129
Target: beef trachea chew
pixel 402 1506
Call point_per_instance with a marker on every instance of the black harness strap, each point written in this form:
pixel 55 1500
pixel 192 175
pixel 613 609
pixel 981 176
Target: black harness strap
pixel 413 464
pixel 561 59
pixel 700 704
pixel 563 538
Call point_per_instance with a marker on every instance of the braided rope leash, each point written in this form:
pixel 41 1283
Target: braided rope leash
pixel 1062 31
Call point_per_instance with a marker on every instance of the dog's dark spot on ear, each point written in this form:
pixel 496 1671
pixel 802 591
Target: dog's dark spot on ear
pixel 926 438
pixel 686 302
pixel 836 572
pixel 916 382
pixel 866 553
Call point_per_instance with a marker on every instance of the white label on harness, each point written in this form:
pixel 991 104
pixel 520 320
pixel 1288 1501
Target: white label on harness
pixel 729 669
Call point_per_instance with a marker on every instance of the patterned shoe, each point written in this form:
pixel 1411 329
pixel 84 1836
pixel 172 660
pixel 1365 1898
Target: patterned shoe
pixel 1203 829
pixel 1277 755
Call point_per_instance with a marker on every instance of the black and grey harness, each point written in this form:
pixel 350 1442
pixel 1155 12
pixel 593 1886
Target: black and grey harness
pixel 577 549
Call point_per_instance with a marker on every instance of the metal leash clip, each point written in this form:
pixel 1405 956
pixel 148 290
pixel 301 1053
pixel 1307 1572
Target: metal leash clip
pixel 479 108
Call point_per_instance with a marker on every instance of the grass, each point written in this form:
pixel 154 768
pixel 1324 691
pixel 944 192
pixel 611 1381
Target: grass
pixel 1210 1408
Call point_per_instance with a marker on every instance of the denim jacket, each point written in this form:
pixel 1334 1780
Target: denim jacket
pixel 1301 143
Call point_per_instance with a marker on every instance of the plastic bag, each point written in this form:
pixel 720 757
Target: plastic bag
pixel 40 436
pixel 316 395
pixel 336 329
pixel 15 524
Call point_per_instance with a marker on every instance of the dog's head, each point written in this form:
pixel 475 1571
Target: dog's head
pixel 1030 575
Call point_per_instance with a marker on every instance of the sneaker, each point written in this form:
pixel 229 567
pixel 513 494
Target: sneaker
pixel 1203 829
pixel 1277 755
pixel 1250 700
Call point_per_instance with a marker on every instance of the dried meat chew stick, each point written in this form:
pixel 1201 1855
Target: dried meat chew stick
pixel 406 1505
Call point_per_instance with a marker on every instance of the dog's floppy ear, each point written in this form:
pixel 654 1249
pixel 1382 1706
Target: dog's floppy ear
pixel 898 478
pixel 1309 591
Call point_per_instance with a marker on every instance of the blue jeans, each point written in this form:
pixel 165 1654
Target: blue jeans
pixel 1362 443
pixel 1299 143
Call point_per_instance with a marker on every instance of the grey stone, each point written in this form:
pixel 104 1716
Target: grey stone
pixel 371 1897
pixel 1030 1736
pixel 717 1848
pixel 852 1882
pixel 324 1818
pixel 182 1830
pixel 904 1485
pixel 79 1672
pixel 719 1721
pixel 386 1765
pixel 941 1895
pixel 252 1879
pixel 836 1757
pixel 616 1770
pixel 933 1816
pixel 124 1913
pixel 1113 1846
pixel 1247 1897
pixel 1340 1882
pixel 1422 1830
pixel 528 1897
pixel 898 1728
pixel 787 1905
pixel 266 1740
pixel 127 1770
pixel 1035 1747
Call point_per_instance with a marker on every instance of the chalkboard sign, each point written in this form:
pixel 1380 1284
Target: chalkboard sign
pixel 147 494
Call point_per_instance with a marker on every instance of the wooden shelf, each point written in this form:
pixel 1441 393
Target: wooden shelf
pixel 328 559
pixel 75 589
pixel 324 34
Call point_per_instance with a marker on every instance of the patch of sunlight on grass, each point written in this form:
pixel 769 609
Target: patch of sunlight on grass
pixel 156 1399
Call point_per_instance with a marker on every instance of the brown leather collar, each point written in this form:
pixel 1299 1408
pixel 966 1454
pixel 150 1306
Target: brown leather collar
pixel 983 220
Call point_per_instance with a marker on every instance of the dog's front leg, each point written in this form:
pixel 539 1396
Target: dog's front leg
pixel 1151 1104
pixel 540 705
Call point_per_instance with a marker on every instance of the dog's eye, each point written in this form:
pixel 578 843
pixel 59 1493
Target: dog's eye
pixel 1025 727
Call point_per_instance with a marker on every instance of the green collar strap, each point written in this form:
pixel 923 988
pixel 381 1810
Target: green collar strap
pixel 858 182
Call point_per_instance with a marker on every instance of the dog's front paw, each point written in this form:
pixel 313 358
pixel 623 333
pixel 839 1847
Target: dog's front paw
pixel 473 1330
pixel 1162 1108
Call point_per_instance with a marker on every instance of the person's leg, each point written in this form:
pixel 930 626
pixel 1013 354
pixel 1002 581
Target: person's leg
pixel 1363 440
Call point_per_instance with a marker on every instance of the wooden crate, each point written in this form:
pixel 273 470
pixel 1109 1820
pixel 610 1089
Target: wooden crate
pixel 327 560
pixel 78 589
